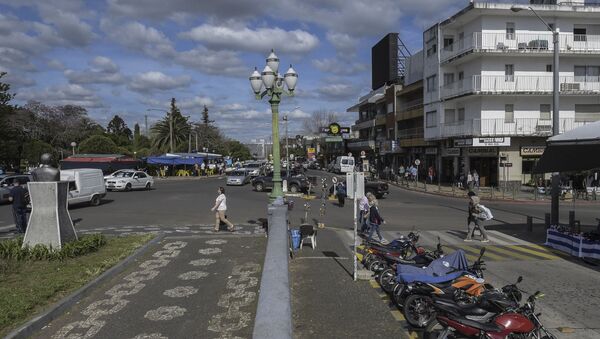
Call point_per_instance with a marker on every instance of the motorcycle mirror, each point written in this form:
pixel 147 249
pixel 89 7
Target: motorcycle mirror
pixel 519 279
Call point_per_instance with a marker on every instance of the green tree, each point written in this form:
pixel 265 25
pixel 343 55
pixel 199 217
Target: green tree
pixel 13 128
pixel 33 149
pixel 181 131
pixel 118 131
pixel 236 149
pixel 139 141
pixel 205 119
pixel 98 144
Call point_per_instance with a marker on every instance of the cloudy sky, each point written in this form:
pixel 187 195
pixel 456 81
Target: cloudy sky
pixel 124 56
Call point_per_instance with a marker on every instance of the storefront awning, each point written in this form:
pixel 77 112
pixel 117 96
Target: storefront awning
pixel 576 150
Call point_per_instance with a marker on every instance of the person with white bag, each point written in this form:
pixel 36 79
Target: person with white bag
pixel 477 215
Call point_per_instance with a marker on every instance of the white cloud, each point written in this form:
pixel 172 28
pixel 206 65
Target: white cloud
pixel 255 40
pixel 103 71
pixel 56 64
pixel 137 36
pixel 343 42
pixel 69 94
pixel 102 63
pixel 150 81
pixel 338 66
pixel 15 59
pixel 232 107
pixel 212 62
pixel 195 104
pixel 338 91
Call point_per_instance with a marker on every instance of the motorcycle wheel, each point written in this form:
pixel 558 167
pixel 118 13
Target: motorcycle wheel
pixel 376 265
pixel 367 259
pixel 387 280
pixel 418 311
pixel 397 294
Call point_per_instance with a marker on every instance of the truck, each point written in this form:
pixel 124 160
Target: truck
pixel 86 185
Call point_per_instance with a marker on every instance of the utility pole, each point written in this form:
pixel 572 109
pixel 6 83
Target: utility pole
pixel 171 131
pixel 190 142
pixel 146 123
pixel 287 149
pixel 196 140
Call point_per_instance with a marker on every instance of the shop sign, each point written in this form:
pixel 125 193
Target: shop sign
pixel 362 144
pixel 431 150
pixel 532 151
pixel 463 142
pixel 335 129
pixel 506 164
pixel 417 150
pixel 311 152
pixel 500 141
pixel 451 152
pixel 482 151
pixel 334 139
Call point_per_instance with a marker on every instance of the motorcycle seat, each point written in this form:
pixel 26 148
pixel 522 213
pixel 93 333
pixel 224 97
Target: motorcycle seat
pixel 462 309
pixel 472 309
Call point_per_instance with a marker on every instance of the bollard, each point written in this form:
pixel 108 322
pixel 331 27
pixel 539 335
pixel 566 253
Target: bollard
pixel 572 220
pixel 514 192
pixel 547 219
pixel 530 223
pixel 425 185
pixel 453 190
pixel 535 193
pixel 492 194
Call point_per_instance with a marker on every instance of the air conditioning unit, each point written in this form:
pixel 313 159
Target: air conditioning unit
pixel 565 86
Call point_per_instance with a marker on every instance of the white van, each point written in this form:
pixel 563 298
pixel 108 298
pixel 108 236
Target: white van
pixel 343 164
pixel 85 185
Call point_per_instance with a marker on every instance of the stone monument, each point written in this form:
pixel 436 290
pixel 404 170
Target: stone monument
pixel 50 223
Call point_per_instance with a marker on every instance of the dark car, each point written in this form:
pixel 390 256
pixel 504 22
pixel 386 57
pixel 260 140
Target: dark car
pixel 377 188
pixel 7 182
pixel 296 182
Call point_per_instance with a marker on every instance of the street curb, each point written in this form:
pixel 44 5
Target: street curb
pixel 189 178
pixel 62 305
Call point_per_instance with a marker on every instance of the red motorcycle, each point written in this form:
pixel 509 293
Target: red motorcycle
pixel 470 321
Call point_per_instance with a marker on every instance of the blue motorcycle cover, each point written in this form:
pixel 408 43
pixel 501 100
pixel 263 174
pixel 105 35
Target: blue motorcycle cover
pixel 440 270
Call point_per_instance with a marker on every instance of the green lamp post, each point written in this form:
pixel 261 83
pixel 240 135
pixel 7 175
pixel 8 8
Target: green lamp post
pixel 274 85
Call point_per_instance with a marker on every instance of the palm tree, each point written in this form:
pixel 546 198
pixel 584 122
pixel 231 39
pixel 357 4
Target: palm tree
pixel 161 130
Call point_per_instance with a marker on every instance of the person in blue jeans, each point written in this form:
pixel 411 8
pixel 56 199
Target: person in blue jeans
pixel 375 220
pixel 18 197
pixel 363 208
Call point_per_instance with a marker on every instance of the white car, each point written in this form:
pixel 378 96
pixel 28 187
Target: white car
pixel 253 168
pixel 129 180
pixel 114 174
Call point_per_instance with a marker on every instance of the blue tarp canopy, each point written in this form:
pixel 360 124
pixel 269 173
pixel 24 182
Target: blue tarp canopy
pixel 181 158
pixel 440 270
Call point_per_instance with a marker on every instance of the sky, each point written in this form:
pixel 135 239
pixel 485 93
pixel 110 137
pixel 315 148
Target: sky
pixel 126 56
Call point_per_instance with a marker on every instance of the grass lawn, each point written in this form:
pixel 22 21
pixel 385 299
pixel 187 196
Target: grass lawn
pixel 27 287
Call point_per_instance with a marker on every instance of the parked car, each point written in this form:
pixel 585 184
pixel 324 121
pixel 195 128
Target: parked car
pixel 86 185
pixel 116 173
pixel 2 173
pixel 238 178
pixel 7 182
pixel 296 182
pixel 378 188
pixel 343 164
pixel 128 180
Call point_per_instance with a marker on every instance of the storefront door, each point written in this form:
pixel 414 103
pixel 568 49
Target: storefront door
pixel 487 168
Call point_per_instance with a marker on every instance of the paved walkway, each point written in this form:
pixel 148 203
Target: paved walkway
pixel 187 286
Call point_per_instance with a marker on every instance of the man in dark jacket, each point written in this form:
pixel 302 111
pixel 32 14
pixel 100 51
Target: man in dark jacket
pixel 375 219
pixel 18 196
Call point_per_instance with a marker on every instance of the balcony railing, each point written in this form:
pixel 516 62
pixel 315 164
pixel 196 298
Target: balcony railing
pixel 503 127
pixel 521 42
pixel 411 133
pixel 410 105
pixel 525 84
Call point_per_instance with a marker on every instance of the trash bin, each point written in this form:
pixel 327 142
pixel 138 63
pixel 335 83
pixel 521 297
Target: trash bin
pixel 295 238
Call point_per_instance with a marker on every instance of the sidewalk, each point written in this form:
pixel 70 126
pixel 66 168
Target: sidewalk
pixel 327 303
pixel 184 287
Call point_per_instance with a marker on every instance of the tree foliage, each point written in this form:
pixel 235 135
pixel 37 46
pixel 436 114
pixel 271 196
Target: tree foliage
pixel 181 131
pixel 118 131
pixel 99 144
pixel 237 150
pixel 205 119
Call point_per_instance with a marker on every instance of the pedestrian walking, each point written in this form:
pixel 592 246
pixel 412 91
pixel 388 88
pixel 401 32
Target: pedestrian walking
pixel 220 209
pixel 340 192
pixel 375 219
pixel 363 212
pixel 18 196
pixel 470 181
pixel 203 168
pixel 477 216
pixel 475 179
pixel 430 174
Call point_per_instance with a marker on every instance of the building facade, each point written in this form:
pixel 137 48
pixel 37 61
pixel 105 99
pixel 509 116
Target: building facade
pixel 487 86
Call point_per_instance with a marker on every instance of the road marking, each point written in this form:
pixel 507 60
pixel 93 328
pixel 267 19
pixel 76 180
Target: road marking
pixel 340 258
pixel 469 256
pixel 513 253
pixel 535 252
pixel 514 240
pixel 476 251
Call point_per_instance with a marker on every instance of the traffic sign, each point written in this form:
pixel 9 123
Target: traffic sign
pixel 334 180
pixel 363 154
pixel 417 162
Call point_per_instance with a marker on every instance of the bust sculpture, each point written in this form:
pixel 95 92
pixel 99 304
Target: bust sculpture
pixel 46 173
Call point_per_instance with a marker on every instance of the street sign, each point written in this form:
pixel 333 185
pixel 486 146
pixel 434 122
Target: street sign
pixel 335 129
pixel 334 180
pixel 417 162
pixel 355 185
pixel 508 164
pixel 363 154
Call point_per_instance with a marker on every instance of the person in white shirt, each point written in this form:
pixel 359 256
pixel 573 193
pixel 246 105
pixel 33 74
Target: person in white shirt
pixel 220 208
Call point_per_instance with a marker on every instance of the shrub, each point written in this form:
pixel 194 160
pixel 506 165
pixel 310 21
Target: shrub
pixel 11 249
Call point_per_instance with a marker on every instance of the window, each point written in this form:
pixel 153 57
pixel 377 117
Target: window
pixel 509 73
pixel 509 113
pixel 461 75
pixel 448 42
pixel 461 114
pixel 390 107
pixel 548 68
pixel 390 133
pixel 579 34
pixel 587 112
pixel 449 116
pixel 587 73
pixel 431 83
pixel 448 78
pixel 431 119
pixel 510 31
pixel 461 38
pixel 545 112
pixel 432 50
pixel 141 175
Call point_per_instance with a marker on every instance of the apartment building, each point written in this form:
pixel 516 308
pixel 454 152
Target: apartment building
pixel 487 85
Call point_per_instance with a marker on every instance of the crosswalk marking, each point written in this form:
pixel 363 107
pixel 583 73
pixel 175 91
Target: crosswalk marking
pixel 536 252
pixel 486 255
pixel 507 252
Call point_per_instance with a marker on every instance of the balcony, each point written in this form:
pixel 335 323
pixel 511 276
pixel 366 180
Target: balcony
pixel 520 43
pixel 502 127
pixel 411 133
pixel 521 84
pixel 410 105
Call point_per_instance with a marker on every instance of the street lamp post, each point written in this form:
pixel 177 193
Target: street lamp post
pixel 554 209
pixel 73 145
pixel 287 146
pixel 273 84
pixel 170 126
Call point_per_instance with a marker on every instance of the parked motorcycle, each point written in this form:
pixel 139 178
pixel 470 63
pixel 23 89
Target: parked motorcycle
pixel 458 282
pixel 387 277
pixel 496 315
pixel 402 248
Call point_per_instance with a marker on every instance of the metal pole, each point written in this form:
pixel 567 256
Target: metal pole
pixel 287 150
pixel 277 191
pixel 355 223
pixel 190 142
pixel 196 141
pixel 171 131
pixel 554 210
